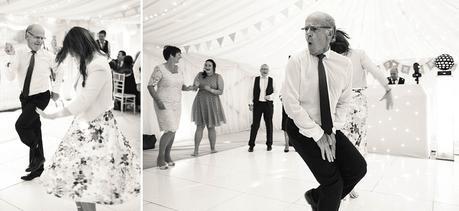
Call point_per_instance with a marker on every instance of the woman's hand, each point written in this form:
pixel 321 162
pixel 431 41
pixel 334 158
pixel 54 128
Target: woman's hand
pixel 389 100
pixel 161 105
pixel 44 115
pixel 207 88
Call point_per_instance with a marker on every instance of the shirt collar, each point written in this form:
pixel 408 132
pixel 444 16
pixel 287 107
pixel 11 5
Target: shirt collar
pixel 327 53
pixel 38 52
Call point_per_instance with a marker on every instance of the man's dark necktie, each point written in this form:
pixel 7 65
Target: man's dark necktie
pixel 325 114
pixel 28 78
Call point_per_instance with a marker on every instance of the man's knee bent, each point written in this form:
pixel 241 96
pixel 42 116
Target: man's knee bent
pixel 363 169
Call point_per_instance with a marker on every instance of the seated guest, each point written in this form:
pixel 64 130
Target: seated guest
pixel 130 86
pixel 117 63
pixel 137 75
pixel 393 78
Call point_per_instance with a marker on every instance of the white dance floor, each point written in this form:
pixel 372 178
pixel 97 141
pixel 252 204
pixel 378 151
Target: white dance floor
pixel 238 180
pixel 16 194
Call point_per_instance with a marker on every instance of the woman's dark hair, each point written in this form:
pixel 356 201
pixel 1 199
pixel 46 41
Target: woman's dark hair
pixel 170 50
pixel 79 42
pixel 214 66
pixel 340 45
pixel 128 62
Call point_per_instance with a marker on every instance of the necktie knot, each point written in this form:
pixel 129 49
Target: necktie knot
pixel 33 52
pixel 321 56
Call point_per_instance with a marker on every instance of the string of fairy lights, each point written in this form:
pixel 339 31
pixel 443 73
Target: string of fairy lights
pixel 46 11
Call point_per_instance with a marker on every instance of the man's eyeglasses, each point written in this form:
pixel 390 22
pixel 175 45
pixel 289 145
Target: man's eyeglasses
pixel 36 37
pixel 314 28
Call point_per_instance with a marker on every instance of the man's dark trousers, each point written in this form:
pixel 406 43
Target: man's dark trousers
pixel 337 178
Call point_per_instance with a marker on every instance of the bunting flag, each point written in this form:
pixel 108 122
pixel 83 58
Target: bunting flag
pixel 299 4
pixel 232 36
pixel 388 64
pixel 220 41
pixel 431 63
pixel 258 26
pixel 421 69
pixel 405 69
pixel 209 44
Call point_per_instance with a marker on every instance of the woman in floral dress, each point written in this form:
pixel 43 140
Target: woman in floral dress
pixel 94 163
pixel 356 127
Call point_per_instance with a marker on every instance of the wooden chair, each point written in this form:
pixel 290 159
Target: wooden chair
pixel 118 92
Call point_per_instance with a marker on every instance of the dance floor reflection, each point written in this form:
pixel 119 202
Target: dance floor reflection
pixel 237 180
pixel 15 194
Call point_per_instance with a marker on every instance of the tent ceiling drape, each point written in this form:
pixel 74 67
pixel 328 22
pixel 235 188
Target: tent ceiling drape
pixel 258 31
pixel 120 10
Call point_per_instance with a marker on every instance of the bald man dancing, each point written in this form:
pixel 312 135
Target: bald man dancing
pixel 316 95
pixel 32 67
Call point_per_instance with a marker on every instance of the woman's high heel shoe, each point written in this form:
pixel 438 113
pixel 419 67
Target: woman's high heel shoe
pixel 171 163
pixel 163 167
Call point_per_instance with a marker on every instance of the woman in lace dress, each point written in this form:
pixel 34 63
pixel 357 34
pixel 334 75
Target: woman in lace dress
pixel 207 110
pixel 166 86
pixel 94 163
pixel 356 127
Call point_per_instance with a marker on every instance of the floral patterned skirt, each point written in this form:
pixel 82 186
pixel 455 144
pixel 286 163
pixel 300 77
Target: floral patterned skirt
pixel 94 163
pixel 356 126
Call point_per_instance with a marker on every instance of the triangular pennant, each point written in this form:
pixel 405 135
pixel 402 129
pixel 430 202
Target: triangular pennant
pixel 271 19
pixel 197 46
pixel 258 26
pixel 388 64
pixel 187 48
pixel 220 40
pixel 208 44
pixel 232 36
pixel 299 4
pixel 405 69
pixel 421 69
pixel 431 63
pixel 285 12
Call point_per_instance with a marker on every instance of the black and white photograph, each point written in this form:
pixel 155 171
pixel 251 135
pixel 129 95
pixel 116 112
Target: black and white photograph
pixel 222 105
pixel 70 105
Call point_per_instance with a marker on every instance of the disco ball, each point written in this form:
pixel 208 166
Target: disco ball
pixel 444 62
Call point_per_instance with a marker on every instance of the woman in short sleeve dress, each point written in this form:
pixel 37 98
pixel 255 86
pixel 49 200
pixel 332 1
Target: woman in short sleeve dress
pixel 166 86
pixel 207 110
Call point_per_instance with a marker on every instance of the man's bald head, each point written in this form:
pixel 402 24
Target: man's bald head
pixel 394 73
pixel 320 32
pixel 35 35
pixel 322 18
